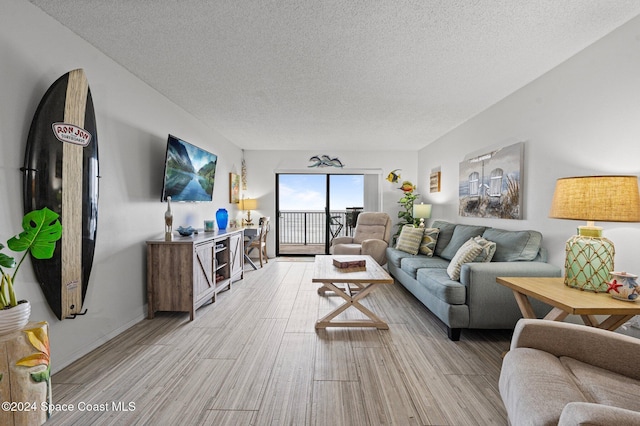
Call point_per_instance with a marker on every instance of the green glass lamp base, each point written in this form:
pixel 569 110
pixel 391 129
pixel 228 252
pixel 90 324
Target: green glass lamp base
pixel 588 262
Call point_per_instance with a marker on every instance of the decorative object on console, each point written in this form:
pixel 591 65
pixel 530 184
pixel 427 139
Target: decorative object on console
pixel 590 256
pixel 421 211
pixel 168 221
pixel 491 184
pixel 222 217
pixel 434 182
pixel 234 188
pixel 623 286
pixel 209 225
pixel 248 204
pixel 185 232
pixel 325 161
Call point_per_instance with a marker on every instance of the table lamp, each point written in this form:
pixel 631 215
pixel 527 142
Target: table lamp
pixel 589 256
pixel 248 204
pixel 421 211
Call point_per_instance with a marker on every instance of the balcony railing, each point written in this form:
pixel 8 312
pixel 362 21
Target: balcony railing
pixel 308 227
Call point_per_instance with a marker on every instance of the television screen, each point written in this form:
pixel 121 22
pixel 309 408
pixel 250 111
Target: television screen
pixel 189 172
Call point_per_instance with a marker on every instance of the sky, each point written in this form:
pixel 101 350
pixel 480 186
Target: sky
pixel 308 192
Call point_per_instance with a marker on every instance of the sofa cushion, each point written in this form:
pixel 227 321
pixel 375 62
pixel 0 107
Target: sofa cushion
pixel 438 284
pixel 444 236
pixel 514 245
pixel 429 240
pixel 410 265
pixel 410 239
pixel 603 386
pixel 488 249
pixel 535 387
pixel 461 235
pixel 395 256
pixel 469 251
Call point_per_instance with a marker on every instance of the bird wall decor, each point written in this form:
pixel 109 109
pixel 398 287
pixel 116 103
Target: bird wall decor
pixel 325 161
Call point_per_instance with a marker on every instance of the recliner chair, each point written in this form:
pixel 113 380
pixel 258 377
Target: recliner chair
pixel 371 236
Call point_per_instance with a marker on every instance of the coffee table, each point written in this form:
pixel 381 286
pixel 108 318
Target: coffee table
pixel 352 285
pixel 567 300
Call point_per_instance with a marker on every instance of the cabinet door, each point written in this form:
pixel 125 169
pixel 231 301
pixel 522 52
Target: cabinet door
pixel 203 276
pixel 236 253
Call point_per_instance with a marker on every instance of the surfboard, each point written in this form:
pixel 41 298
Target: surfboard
pixel 61 173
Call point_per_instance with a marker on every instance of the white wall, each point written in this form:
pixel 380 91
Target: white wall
pixel 581 118
pixel 133 122
pixel 263 165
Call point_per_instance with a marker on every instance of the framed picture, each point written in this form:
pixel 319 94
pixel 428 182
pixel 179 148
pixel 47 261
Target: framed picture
pixel 491 184
pixel 234 188
pixel 434 182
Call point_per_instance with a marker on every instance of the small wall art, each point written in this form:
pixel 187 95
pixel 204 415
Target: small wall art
pixel 434 182
pixel 234 188
pixel 491 184
pixel 325 161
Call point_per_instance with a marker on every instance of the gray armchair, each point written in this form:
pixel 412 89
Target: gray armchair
pixel 371 236
pixel 559 373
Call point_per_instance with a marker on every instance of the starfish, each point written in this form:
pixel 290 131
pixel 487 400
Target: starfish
pixel 613 285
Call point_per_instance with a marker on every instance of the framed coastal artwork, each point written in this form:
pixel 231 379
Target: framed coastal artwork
pixel 234 188
pixel 491 184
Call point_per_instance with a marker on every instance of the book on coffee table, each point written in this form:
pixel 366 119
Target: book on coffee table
pixel 347 263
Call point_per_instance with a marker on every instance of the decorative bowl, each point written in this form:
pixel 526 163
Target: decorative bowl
pixel 185 232
pixel 623 286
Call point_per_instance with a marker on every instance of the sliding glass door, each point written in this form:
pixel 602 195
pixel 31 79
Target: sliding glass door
pixel 313 209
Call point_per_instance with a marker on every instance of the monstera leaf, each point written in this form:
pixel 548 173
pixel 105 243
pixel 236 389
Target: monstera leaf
pixel 41 231
pixel 6 261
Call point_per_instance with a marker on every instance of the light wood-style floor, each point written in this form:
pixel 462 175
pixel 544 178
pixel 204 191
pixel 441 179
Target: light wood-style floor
pixel 255 358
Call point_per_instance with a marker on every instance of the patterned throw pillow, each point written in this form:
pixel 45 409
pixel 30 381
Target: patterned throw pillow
pixel 410 239
pixel 488 249
pixel 429 240
pixel 465 254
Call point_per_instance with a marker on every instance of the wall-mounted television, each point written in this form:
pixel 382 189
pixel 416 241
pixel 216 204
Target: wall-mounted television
pixel 189 172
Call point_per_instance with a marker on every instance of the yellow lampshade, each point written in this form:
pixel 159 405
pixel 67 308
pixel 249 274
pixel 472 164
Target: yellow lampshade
pixel 248 204
pixel 597 198
pixel 589 256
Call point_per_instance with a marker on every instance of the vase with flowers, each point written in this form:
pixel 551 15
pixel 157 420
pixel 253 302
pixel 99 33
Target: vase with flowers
pixel 41 231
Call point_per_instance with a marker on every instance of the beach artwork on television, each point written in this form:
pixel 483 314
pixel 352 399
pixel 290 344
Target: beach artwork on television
pixel 189 172
pixel 491 184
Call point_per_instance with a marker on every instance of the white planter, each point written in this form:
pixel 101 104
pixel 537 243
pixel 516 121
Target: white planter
pixel 15 318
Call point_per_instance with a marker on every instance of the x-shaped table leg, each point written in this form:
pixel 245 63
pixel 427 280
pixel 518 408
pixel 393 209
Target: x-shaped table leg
pixel 352 298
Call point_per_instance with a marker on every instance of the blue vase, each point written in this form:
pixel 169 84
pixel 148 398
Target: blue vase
pixel 222 217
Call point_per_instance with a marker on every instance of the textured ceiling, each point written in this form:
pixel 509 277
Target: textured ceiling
pixel 338 74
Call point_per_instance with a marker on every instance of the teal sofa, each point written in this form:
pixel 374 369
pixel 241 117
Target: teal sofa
pixel 475 300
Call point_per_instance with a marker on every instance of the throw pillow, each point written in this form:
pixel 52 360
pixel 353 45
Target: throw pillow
pixel 429 240
pixel 410 239
pixel 465 254
pixel 488 249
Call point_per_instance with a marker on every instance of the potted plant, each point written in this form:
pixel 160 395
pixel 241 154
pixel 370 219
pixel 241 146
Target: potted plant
pixel 41 231
pixel 407 200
